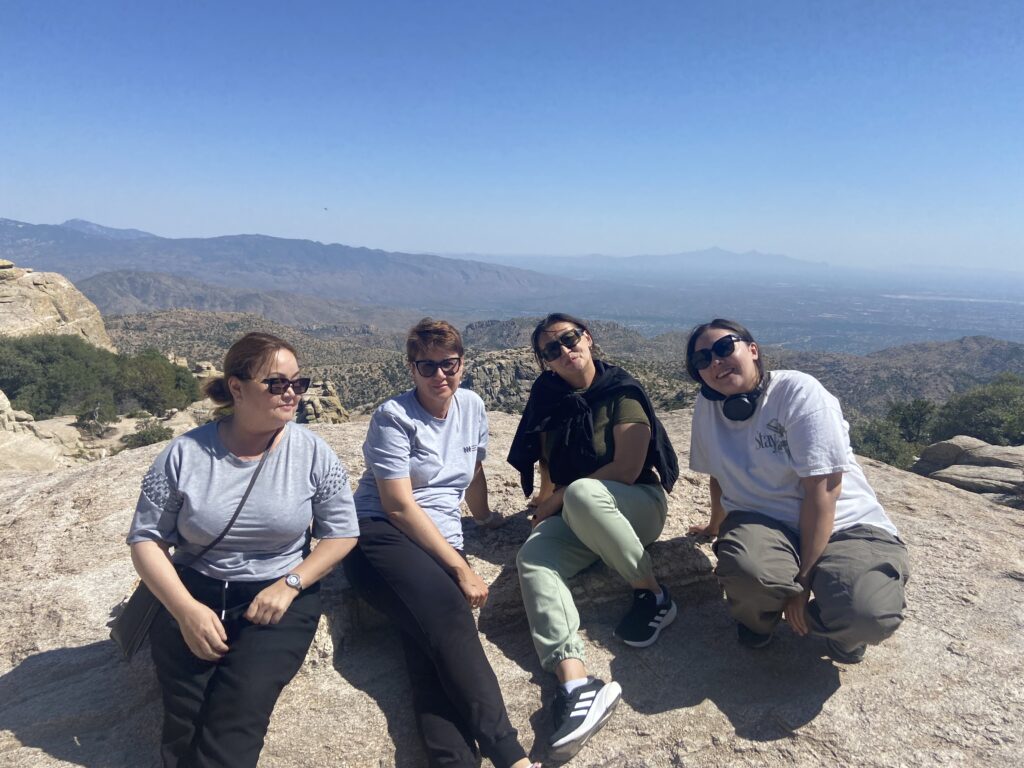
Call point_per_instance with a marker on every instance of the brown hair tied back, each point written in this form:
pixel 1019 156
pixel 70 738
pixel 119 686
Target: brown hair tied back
pixel 243 360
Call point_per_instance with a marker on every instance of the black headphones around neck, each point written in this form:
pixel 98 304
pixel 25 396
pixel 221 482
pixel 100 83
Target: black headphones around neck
pixel 738 407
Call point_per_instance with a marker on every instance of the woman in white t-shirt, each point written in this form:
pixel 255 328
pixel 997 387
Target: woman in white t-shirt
pixel 800 534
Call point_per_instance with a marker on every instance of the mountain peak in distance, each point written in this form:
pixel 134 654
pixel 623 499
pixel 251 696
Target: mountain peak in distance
pixel 110 233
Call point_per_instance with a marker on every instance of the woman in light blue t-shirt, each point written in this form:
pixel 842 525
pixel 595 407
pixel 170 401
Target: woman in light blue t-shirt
pixel 424 452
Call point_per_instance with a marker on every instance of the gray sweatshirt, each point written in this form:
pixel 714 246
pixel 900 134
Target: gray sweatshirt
pixel 195 484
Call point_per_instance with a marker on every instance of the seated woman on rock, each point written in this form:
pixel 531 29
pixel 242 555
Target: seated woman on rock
pixel 792 511
pixel 241 613
pixel 424 451
pixel 606 463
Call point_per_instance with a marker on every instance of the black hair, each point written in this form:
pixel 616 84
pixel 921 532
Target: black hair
pixel 725 325
pixel 554 317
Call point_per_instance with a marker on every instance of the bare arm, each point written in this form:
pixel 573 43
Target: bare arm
pixel 476 500
pixel 630 441
pixel 271 604
pixel 397 499
pixel 201 628
pixel 717 513
pixel 817 516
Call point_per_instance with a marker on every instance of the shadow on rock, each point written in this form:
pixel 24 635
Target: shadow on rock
pixel 84 706
pixel 767 694
pixel 372 661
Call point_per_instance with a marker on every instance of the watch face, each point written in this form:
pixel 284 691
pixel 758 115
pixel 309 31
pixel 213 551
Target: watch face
pixel 292 580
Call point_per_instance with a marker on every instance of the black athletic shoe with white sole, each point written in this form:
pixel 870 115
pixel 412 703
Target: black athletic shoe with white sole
pixel 580 714
pixel 645 620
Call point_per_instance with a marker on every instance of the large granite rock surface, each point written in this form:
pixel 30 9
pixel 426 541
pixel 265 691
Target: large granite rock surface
pixel 947 689
pixel 45 302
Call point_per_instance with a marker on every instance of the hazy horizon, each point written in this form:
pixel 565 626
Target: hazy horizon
pixel 869 134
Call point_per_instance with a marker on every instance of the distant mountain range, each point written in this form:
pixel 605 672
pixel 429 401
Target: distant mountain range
pixel 248 263
pixel 792 303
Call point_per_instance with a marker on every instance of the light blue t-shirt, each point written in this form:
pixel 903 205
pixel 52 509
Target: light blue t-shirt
pixel 438 456
pixel 195 484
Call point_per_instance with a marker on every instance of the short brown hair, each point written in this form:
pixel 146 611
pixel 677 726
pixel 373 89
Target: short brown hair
pixel 428 333
pixel 243 360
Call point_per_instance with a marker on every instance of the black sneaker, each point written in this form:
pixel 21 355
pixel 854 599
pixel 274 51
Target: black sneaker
pixel 580 714
pixel 856 656
pixel 645 620
pixel 748 638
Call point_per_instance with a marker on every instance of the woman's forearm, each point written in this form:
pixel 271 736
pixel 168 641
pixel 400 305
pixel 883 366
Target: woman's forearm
pixel 153 564
pixel 322 560
pixel 476 495
pixel 817 517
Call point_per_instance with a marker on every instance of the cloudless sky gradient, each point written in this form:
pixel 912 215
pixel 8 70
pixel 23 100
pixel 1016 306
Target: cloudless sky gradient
pixel 854 132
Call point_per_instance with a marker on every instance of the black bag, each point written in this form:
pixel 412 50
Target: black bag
pixel 132 625
pixel 130 628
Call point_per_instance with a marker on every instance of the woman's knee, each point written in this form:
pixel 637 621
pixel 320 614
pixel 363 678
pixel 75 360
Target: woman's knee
pixel 580 496
pixel 737 566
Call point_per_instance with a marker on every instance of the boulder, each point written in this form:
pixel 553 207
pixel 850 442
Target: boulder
pixel 945 453
pixel 45 302
pixel 696 698
pixel 982 479
pixel 994 456
pixel 27 444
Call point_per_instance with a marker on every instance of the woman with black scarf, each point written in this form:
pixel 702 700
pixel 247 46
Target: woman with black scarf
pixel 606 464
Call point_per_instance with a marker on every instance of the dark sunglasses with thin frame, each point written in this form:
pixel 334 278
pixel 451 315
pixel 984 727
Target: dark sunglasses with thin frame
pixel 427 368
pixel 278 385
pixel 722 348
pixel 553 349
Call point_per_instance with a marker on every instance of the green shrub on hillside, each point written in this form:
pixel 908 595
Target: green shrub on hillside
pixel 993 413
pixel 881 439
pixel 147 432
pixel 64 375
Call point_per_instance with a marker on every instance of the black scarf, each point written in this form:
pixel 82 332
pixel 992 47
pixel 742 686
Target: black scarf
pixel 553 406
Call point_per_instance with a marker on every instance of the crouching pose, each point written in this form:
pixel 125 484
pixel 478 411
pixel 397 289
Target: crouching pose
pixel 423 453
pixel 241 591
pixel 794 516
pixel 606 464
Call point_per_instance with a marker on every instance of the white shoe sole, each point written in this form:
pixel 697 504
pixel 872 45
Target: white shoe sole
pixel 669 618
pixel 604 704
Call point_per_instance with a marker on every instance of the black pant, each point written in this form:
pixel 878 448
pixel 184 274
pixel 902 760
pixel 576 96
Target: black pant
pixel 216 713
pixel 455 694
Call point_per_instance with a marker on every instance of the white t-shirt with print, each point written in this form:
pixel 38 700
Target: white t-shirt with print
pixel 796 431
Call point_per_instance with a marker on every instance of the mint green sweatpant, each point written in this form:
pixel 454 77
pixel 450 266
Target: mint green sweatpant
pixel 600 520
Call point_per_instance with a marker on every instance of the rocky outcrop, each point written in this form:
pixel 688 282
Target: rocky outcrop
pixel 45 302
pixel 321 405
pixel 995 471
pixel 26 444
pixel 694 699
pixel 503 379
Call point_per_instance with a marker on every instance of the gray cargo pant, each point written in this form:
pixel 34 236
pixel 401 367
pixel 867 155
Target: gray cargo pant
pixel 857 586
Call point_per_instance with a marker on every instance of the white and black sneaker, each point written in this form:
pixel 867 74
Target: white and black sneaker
pixel 580 714
pixel 645 620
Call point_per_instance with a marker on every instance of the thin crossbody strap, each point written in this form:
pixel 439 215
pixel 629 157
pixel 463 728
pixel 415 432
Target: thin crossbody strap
pixel 238 509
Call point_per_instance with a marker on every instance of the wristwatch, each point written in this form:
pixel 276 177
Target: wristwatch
pixel 294 581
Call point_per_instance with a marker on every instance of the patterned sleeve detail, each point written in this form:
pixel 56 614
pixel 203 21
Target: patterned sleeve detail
pixel 160 493
pixel 332 483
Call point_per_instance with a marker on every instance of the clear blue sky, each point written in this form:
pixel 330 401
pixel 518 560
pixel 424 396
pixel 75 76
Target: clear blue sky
pixel 852 132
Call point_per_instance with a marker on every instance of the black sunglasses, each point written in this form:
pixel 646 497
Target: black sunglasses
pixel 278 385
pixel 427 368
pixel 553 349
pixel 722 348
